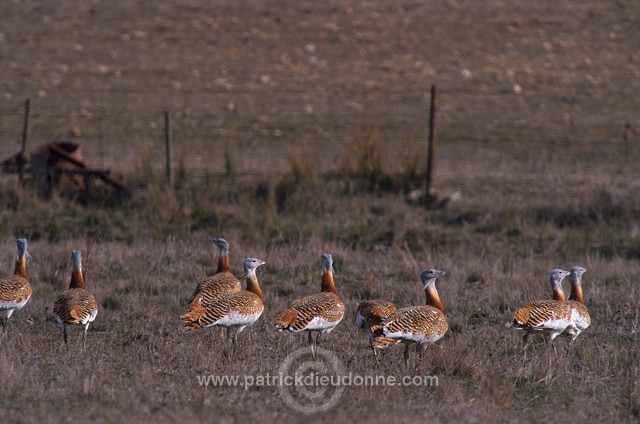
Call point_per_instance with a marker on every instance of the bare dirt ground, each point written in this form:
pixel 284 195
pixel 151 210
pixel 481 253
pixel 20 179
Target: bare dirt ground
pixel 271 77
pixel 288 118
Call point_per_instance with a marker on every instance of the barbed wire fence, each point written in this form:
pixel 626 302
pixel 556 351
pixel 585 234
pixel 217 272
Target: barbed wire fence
pixel 209 127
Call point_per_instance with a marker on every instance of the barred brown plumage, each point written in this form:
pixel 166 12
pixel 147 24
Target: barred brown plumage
pixel 550 317
pixel 15 290
pixel 231 310
pixel 369 316
pixel 319 312
pixel 76 305
pixel 221 283
pixel 422 325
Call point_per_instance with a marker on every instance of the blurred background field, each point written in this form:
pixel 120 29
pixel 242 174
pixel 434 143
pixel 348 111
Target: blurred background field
pixel 300 128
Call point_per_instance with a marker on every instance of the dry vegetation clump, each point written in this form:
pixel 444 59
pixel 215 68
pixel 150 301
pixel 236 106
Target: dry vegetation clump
pixel 367 164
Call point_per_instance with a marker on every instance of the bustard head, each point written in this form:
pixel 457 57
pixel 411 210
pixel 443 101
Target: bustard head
pixel 222 244
pixel 555 278
pixel 327 262
pixel 250 265
pixel 22 247
pixel 76 259
pixel 429 276
pixel 576 273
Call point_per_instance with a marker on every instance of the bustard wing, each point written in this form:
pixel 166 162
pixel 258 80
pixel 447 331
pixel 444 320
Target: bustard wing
pixel 75 306
pixel 242 303
pixel 542 314
pixel 416 320
pixel 14 289
pixel 373 312
pixel 326 306
pixel 214 286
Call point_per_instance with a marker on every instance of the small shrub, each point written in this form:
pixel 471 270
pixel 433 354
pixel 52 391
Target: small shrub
pixel 302 167
pixel 110 302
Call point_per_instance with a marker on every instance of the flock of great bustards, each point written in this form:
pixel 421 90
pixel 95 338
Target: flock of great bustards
pixel 219 300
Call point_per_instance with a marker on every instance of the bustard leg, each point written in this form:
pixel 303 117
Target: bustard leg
pixel 230 335
pixel 573 338
pixel 551 353
pixel 64 335
pixel 375 352
pixel 568 345
pixel 4 320
pixel 406 355
pixel 84 336
pixel 525 344
pixel 233 337
pixel 311 345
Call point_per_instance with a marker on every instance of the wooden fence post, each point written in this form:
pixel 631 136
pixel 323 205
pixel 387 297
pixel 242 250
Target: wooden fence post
pixel 167 141
pixel 625 140
pixel 25 130
pixel 432 113
pixel 101 139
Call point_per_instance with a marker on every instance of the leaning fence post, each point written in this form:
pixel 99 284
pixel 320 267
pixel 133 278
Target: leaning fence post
pixel 167 141
pixel 25 129
pixel 432 113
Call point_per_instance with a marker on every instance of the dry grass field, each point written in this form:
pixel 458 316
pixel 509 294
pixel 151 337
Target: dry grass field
pixel 300 128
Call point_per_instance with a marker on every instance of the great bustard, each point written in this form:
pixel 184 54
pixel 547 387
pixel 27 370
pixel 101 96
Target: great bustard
pixel 579 313
pixel 15 290
pixel 369 316
pixel 231 310
pixel 76 306
pixel 319 312
pixel 422 325
pixel 549 317
pixel 222 282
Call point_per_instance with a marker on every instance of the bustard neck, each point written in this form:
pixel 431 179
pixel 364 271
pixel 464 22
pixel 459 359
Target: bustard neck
pixel 21 267
pixel 576 291
pixel 223 263
pixel 558 294
pixel 327 282
pixel 77 279
pixel 433 299
pixel 253 286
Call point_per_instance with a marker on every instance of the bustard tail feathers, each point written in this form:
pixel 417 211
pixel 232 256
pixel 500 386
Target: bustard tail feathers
pixel 193 315
pixel 379 340
pixel 521 317
pixel 75 316
pixel 285 319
